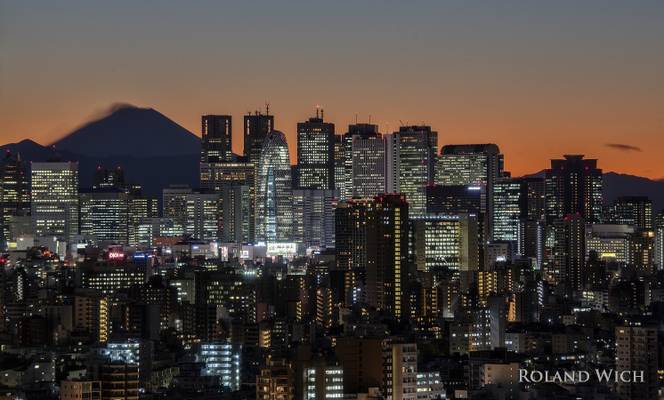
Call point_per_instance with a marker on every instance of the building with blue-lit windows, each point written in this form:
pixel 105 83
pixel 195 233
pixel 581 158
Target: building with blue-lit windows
pixel 222 360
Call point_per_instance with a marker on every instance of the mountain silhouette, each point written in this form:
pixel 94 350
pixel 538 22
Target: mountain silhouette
pixel 616 184
pixel 126 130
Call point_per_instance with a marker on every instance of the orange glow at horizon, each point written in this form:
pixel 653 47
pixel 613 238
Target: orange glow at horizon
pixel 540 79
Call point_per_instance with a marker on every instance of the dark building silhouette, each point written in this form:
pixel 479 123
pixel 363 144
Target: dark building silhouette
pixel 256 128
pixel 14 192
pixel 216 139
pixel 574 186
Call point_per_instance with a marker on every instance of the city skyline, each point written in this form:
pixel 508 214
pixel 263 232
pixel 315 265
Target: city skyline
pixel 432 200
pixel 539 80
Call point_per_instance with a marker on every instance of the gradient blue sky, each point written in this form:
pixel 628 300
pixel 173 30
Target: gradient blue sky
pixel 540 78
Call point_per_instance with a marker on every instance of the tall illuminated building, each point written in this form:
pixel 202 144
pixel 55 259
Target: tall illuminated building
pixel 518 205
pixel 196 212
pixel 445 242
pixel 574 186
pixel 54 190
pixel 314 211
pixel 478 165
pixel 354 220
pixel 174 203
pixel 256 128
pixel 371 240
pixel 274 192
pixel 216 138
pixel 234 181
pixel 387 272
pixel 202 215
pixel 315 153
pixel 360 159
pixel 659 240
pixel 573 197
pixel 367 156
pixel 339 165
pixel 237 213
pixel 91 314
pixel 410 164
pixel 507 198
pixel 14 193
pixel 631 210
pixel 569 252
pixel 141 210
pixel 104 215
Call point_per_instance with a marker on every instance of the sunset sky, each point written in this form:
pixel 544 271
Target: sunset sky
pixel 539 78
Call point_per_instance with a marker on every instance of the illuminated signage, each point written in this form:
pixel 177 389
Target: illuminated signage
pixel 281 249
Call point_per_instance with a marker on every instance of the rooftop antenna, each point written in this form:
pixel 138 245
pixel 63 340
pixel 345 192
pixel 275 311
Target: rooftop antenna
pixel 317 111
pixel 355 118
pixel 267 108
pixel 369 118
pixel 321 113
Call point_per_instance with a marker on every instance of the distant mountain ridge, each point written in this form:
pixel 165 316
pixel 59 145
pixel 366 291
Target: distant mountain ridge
pixel 128 130
pixel 617 184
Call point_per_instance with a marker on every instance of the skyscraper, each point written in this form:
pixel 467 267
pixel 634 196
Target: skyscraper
pixel 216 138
pixel 14 194
pixel 354 221
pixel 368 156
pixel 631 210
pixel 202 215
pixel 518 205
pixel 313 209
pixel 256 128
pixel 410 164
pixel 54 189
pixel 104 215
pixel 387 269
pixel 569 253
pixel 235 182
pixel 471 165
pixel 174 204
pixel 274 193
pixel 574 186
pixel 315 153
pixel 507 200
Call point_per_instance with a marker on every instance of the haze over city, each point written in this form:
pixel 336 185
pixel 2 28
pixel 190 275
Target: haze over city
pixel 540 78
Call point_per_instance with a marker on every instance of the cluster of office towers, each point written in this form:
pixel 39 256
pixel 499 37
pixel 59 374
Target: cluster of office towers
pixel 412 229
